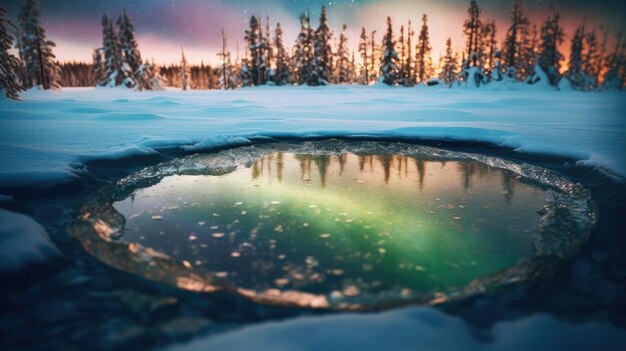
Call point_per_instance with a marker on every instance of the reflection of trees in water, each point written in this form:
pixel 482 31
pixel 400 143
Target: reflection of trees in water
pixel 421 171
pixel 366 159
pixel 386 161
pixel 508 184
pixel 279 166
pixel 322 162
pixel 342 159
pixel 469 170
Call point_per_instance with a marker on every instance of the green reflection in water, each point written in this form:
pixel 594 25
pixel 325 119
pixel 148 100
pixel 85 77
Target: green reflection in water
pixel 340 224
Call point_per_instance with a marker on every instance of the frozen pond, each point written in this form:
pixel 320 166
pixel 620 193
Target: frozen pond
pixel 334 225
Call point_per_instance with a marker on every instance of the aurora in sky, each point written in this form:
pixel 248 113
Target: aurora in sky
pixel 162 26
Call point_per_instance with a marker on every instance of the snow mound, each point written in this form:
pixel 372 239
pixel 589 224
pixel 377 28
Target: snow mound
pixel 218 141
pixel 22 241
pixel 410 329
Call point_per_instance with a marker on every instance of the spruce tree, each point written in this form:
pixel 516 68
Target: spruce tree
pixel 590 61
pixel 226 74
pixel 472 28
pixel 282 74
pixel 615 77
pixel 374 58
pixel 303 52
pixel 128 44
pixel 39 60
pixel 575 73
pixel 10 81
pixel 513 57
pixel 322 53
pixel 342 67
pixel 550 57
pixel 147 77
pixel 183 70
pixel 98 67
pixel 365 75
pixel 389 62
pixel 489 46
pixel 257 47
pixel 402 58
pixel 449 70
pixel 423 60
pixel 116 73
pixel 409 66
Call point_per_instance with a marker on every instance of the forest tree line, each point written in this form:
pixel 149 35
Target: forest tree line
pixel 402 56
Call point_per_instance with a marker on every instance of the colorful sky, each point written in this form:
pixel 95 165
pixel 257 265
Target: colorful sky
pixel 162 26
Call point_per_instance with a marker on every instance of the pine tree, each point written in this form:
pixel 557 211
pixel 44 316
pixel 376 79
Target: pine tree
pixel 257 47
pixel 342 67
pixel 39 60
pixel 615 77
pixel 303 52
pixel 575 73
pixel 10 80
pixel 282 74
pixel 472 27
pixel 409 66
pixel 374 58
pixel 116 72
pixel 590 61
pixel 365 75
pixel 550 57
pixel 389 61
pixel 423 60
pixel 147 78
pixel 449 70
pixel 183 71
pixel 322 53
pixel 401 58
pixel 98 68
pixel 128 44
pixel 226 74
pixel 513 56
pixel 489 46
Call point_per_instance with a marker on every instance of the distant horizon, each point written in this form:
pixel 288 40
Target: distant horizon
pixel 162 27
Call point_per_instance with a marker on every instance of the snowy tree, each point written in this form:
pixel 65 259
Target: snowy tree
pixel 128 44
pixel 117 71
pixel 322 63
pixel 266 41
pixel 374 58
pixel 530 52
pixel 183 70
pixel 513 55
pixel 423 60
pixel 343 64
pixel 489 43
pixel 389 62
pixel 472 29
pixel 147 78
pixel 303 52
pixel 402 74
pixel 575 73
pixel 408 65
pixel 10 81
pixel 364 76
pixel 227 80
pixel 98 67
pixel 39 60
pixel 449 70
pixel 282 74
pixel 615 77
pixel 549 60
pixel 256 47
pixel 590 61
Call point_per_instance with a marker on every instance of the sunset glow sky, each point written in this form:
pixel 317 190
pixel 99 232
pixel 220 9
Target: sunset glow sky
pixel 162 26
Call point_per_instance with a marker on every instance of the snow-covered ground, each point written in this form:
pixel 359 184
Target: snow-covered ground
pixel 46 137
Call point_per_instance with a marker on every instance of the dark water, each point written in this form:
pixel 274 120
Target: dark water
pixel 78 302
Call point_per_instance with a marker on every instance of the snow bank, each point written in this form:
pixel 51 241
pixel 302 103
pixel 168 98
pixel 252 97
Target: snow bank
pixel 419 328
pixel 45 137
pixel 219 141
pixel 22 241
